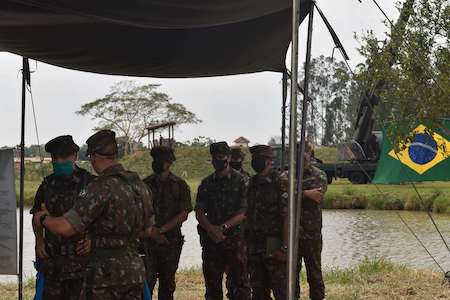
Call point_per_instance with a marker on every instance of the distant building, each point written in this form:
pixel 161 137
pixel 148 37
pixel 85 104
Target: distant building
pixel 242 142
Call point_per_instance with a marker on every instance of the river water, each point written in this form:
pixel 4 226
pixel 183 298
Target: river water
pixel 349 237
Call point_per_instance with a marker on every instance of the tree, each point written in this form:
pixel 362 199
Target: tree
pixel 416 74
pixel 328 122
pixel 200 141
pixel 130 108
pixel 274 140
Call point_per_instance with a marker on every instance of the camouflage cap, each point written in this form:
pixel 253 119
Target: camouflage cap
pixel 163 153
pixel 219 148
pixel 61 146
pixel 237 153
pixel 262 150
pixel 103 143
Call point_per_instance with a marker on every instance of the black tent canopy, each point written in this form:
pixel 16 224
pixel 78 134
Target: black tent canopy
pixel 155 38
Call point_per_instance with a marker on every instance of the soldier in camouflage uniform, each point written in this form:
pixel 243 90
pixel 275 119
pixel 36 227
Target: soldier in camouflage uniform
pixel 310 244
pixel 220 210
pixel 58 259
pixel 171 204
pixel 115 211
pixel 267 227
pixel 237 159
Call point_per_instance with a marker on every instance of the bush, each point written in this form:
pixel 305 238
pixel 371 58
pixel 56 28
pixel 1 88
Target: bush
pixel 413 203
pixel 376 201
pixel 349 190
pixel 442 204
pixel 394 204
pixel 344 201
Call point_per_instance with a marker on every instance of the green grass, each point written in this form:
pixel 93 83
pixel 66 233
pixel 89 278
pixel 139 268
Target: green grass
pixel 29 191
pixel 435 196
pixel 370 279
pixel 327 154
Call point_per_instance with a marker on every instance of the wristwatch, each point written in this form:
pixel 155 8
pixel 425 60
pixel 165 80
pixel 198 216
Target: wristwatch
pixel 42 218
pixel 224 227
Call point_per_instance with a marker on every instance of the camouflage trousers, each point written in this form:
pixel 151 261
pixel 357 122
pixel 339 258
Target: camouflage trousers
pixel 56 289
pixel 266 275
pixel 230 257
pixel 162 264
pixel 310 251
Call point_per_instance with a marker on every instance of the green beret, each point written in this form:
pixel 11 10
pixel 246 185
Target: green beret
pixel 103 143
pixel 163 153
pixel 262 150
pixel 62 146
pixel 219 148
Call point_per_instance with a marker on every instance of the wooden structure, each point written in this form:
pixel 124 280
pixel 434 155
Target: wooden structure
pixel 153 140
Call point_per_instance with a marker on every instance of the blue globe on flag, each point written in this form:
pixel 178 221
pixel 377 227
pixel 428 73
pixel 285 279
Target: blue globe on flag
pixel 422 149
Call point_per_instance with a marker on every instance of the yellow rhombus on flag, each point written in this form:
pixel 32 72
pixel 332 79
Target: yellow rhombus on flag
pixel 423 154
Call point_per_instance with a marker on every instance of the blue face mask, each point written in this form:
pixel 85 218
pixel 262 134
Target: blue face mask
pixel 63 168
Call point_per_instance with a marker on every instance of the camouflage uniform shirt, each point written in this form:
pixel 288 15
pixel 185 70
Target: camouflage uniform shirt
pixel 221 198
pixel 311 217
pixel 170 197
pixel 117 207
pixel 267 208
pixel 59 195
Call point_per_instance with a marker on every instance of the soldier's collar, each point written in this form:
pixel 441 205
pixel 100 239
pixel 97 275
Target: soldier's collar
pixel 170 177
pixel 265 179
pixel 76 176
pixel 226 176
pixel 114 169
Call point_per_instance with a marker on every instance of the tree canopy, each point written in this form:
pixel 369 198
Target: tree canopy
pixel 130 108
pixel 416 75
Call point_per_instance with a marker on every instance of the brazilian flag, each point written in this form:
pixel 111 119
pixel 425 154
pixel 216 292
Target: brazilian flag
pixel 425 158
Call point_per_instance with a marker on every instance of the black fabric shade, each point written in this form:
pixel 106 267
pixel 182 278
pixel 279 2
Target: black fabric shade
pixel 154 38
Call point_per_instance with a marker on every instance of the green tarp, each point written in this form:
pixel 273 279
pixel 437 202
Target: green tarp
pixel 425 158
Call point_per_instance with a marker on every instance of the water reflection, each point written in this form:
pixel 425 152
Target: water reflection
pixel 349 236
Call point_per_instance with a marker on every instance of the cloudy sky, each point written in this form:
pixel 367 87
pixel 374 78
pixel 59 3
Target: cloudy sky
pixel 232 106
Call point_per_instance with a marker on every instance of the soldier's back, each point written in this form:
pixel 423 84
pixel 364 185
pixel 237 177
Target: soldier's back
pixel 121 201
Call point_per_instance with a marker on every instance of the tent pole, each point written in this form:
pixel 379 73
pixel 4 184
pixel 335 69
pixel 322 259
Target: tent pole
pixel 283 121
pixel 25 79
pixel 292 255
pixel 304 118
